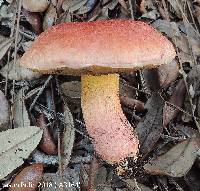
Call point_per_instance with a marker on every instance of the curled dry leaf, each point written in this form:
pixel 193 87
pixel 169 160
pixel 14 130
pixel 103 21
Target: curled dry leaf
pixel 47 143
pixel 176 162
pixel 29 176
pixel 16 72
pixel 5 44
pixel 4 112
pixel 35 5
pixel 132 103
pixel 16 145
pixel 150 129
pixel 50 17
pixel 34 19
pixel 161 77
pixel 169 112
pixel 20 114
pixel 68 136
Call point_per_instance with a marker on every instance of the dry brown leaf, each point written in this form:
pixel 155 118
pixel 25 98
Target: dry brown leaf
pixel 87 7
pixel 197 12
pixel 20 114
pixel 59 6
pixel 5 44
pixel 146 5
pixel 150 129
pixel 40 157
pixel 161 77
pixel 132 103
pixel 169 28
pixel 123 4
pixel 50 17
pixel 94 166
pixel 133 185
pixel 176 162
pixel 34 19
pixel 185 131
pixel 16 145
pixel 4 112
pixel 35 170
pixel 72 89
pixel 176 4
pixel 74 5
pixel 71 180
pixel 169 112
pixel 47 144
pixel 185 38
pixel 168 73
pixel 35 5
pixel 68 136
pixel 16 72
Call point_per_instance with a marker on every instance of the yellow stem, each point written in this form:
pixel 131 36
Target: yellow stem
pixel 112 135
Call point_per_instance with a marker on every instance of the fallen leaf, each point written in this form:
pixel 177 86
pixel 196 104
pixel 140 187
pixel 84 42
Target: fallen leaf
pixel 72 89
pixel 161 77
pixel 147 5
pixel 5 44
pixel 170 112
pixel 132 103
pixel 169 28
pixel 4 112
pixel 47 143
pixel 20 114
pixel 177 4
pixel 40 157
pixel 30 174
pixel 16 145
pixel 168 73
pixel 16 72
pixel 74 5
pixel 87 7
pixel 71 180
pixel 50 17
pixel 35 6
pixel 68 136
pixel 176 162
pixel 150 129
pixel 34 19
pixel 133 185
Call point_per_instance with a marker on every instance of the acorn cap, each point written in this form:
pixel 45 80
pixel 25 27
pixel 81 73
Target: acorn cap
pixel 98 47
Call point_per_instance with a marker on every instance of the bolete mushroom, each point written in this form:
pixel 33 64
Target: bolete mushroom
pixel 98 51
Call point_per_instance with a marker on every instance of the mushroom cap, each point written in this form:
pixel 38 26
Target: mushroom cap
pixel 98 47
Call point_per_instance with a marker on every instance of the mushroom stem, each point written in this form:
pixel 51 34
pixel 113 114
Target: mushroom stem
pixel 112 135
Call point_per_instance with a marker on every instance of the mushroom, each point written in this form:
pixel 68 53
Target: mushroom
pixel 99 51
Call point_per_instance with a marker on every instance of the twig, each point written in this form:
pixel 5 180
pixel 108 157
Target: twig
pixel 39 93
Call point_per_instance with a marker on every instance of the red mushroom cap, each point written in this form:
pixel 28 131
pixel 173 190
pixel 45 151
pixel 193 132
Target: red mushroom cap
pixel 108 46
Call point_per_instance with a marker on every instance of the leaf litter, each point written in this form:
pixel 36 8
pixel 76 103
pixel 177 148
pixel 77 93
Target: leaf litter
pixel 167 126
